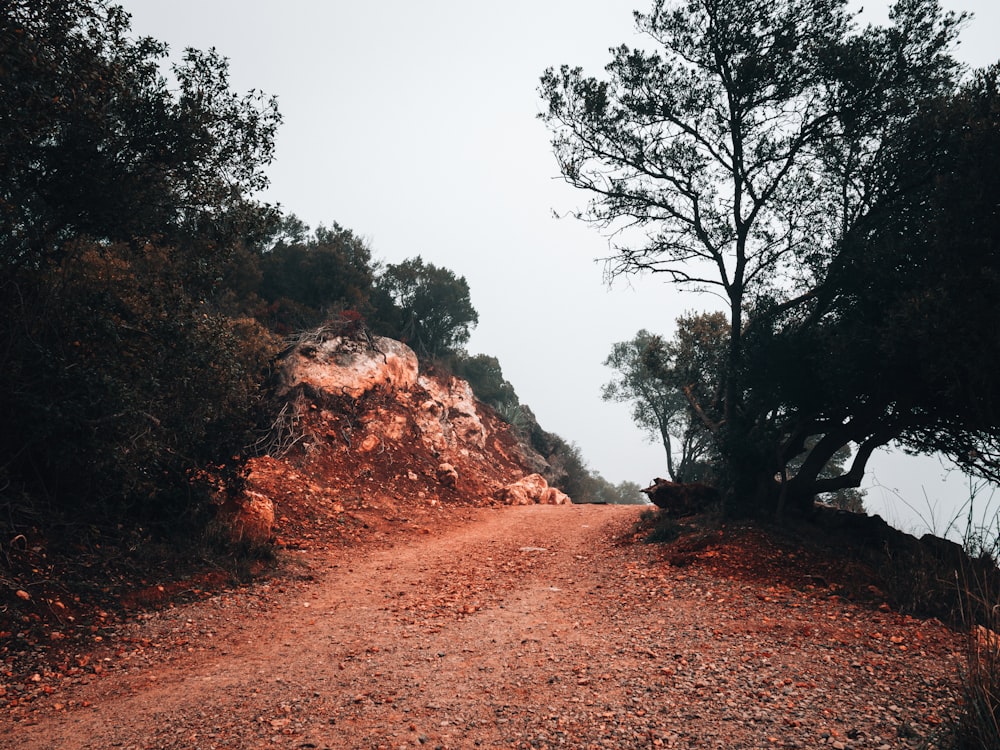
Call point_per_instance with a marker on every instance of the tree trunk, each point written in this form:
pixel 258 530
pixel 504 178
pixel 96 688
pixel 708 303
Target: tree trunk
pixel 670 458
pixel 806 484
pixel 751 490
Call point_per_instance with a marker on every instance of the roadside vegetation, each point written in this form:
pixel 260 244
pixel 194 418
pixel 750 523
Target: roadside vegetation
pixel 830 186
pixel 833 186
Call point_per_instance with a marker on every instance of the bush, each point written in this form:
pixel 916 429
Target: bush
pixel 124 385
pixel 977 727
pixel 125 199
pixel 657 527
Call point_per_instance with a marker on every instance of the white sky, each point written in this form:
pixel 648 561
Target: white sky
pixel 413 123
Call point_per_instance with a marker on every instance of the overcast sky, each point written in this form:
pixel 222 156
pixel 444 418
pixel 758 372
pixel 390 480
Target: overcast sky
pixel 413 123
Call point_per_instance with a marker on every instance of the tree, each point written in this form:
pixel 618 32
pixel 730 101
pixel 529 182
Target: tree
pixel 908 306
pixel 122 200
pixel 306 278
pixel 699 352
pixel 93 143
pixel 951 280
pixel 131 387
pixel 739 159
pixel 627 493
pixel 667 382
pixel 424 305
pixel 846 498
pixel 657 408
pixel 604 492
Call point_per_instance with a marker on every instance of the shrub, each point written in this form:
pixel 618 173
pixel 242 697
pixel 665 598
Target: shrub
pixel 124 385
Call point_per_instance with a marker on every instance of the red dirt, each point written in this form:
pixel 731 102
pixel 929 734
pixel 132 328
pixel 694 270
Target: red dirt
pixel 539 626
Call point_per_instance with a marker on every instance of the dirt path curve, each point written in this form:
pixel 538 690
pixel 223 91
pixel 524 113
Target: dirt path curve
pixel 525 627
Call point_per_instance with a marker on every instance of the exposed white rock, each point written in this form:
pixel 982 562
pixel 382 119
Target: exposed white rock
pixel 553 496
pixel 373 402
pixel 533 489
pixel 344 367
pixel 514 494
pixel 449 417
pixel 446 410
pixel 447 475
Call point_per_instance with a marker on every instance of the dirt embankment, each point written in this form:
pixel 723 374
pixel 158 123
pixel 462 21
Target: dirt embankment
pixel 537 626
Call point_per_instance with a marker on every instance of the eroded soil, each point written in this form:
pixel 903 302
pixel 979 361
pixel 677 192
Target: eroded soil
pixel 508 627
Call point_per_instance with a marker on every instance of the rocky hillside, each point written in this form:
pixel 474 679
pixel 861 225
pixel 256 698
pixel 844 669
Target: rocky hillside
pixel 363 429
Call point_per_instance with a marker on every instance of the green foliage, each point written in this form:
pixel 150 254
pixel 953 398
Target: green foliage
pixel 123 385
pixel 305 279
pixel 658 408
pixel 425 306
pixel 125 370
pixel 623 493
pixel 485 376
pixel 95 144
pixel 512 413
pixel 775 154
pixel 905 311
pixel 939 341
pixel 671 385
pixel 567 468
pixel 584 485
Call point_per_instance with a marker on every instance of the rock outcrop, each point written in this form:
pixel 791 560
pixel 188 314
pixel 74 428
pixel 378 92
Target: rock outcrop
pixel 361 421
pixel 342 366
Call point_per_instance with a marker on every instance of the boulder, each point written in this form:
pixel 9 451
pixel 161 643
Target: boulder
pixel 552 496
pixel 251 520
pixel 532 489
pixel 342 366
pixel 515 494
pixel 362 400
pixel 447 475
pixel 448 418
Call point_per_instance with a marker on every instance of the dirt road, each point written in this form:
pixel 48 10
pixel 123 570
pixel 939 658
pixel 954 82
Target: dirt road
pixel 522 627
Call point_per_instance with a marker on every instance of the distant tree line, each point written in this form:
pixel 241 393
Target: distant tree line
pixel 834 186
pixel 144 291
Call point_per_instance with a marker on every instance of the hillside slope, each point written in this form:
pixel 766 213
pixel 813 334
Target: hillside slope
pixel 366 448
pixel 366 437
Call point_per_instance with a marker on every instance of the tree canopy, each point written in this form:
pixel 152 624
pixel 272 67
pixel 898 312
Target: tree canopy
pixel 144 288
pixel 906 309
pixel 122 200
pixel 659 378
pixel 777 155
pixel 485 376
pixel 96 144
pixel 427 306
pixel 305 279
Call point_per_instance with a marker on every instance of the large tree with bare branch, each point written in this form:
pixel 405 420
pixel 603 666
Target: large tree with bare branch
pixel 735 156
